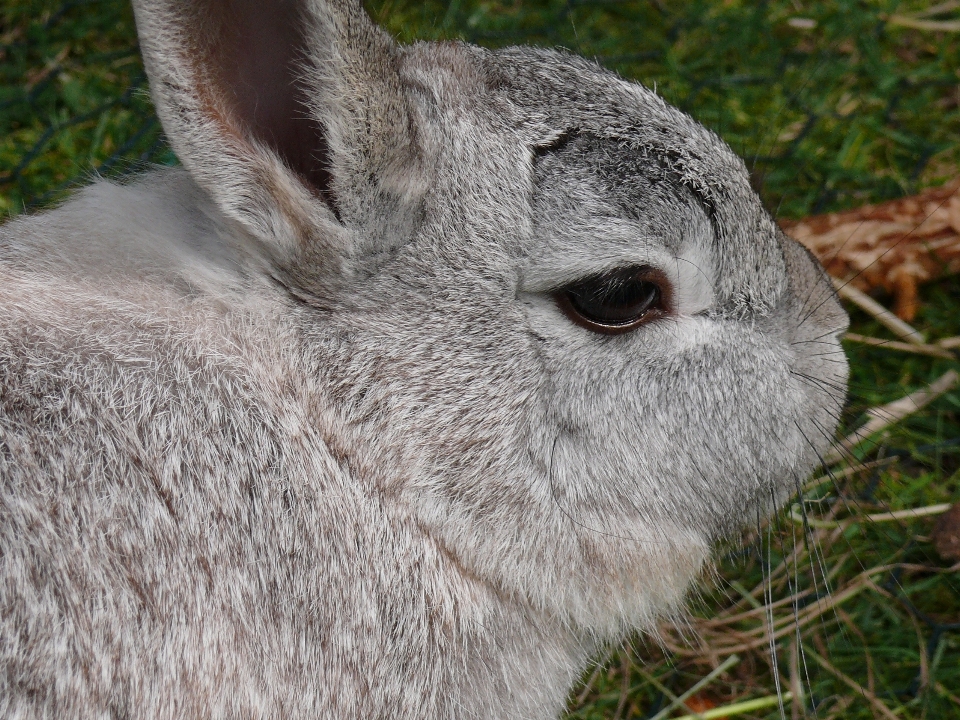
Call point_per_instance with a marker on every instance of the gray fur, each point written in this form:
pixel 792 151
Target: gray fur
pixel 274 446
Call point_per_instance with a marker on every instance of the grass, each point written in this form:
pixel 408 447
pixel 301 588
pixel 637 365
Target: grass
pixel 73 98
pixel 833 105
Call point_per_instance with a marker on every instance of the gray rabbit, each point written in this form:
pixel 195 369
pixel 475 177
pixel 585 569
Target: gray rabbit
pixel 433 370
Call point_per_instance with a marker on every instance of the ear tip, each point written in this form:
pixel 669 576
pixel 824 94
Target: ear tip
pixel 271 107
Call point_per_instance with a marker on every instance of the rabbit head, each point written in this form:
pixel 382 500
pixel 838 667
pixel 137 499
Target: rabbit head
pixel 557 329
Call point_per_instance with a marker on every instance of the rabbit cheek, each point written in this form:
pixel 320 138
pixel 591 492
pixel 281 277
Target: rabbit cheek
pixel 697 438
pixel 815 320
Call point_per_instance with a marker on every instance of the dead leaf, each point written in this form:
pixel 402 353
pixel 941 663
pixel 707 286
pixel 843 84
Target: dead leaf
pixel 946 534
pixel 893 246
pixel 701 703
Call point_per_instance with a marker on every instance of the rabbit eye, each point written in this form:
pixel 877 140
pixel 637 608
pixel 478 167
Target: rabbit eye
pixel 617 301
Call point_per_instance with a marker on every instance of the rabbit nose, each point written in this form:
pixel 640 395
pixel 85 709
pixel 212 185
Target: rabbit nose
pixel 811 299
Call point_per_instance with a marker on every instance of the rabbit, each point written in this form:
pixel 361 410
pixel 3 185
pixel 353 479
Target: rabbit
pixel 432 371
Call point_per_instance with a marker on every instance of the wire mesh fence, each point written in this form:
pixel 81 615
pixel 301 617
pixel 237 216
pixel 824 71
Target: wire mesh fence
pixel 73 99
pixel 831 104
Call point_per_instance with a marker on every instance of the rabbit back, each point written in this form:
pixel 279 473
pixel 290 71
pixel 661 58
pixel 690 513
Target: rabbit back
pixel 312 426
pixel 179 539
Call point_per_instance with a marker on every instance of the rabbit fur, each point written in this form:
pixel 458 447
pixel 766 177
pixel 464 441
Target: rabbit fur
pixel 300 430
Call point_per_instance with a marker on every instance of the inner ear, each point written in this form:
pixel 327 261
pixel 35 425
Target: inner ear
pixel 258 48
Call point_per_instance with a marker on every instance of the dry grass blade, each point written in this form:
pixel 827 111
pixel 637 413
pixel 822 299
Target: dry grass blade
pixel 733 640
pixel 681 699
pixel 798 517
pixel 591 681
pixel 838 475
pixel 874 701
pixel 886 318
pixel 915 348
pixel 867 655
pixel 796 682
pixel 920 24
pixel 722 636
pixel 934 10
pixel 740 708
pixel 884 416
pixel 723 619
pixel 625 684
pixel 675 700
pixel 907 514
pixel 947 694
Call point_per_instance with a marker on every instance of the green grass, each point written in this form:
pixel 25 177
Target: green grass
pixel 832 105
pixel 73 98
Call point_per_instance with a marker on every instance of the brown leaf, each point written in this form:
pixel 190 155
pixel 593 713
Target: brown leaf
pixel 893 246
pixel 701 703
pixel 946 534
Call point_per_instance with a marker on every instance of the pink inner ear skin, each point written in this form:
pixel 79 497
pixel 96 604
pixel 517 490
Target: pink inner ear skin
pixel 258 47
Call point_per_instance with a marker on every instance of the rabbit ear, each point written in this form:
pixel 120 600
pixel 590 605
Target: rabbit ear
pixel 283 111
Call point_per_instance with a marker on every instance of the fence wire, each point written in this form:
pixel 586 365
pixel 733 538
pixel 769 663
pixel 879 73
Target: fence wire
pixel 831 104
